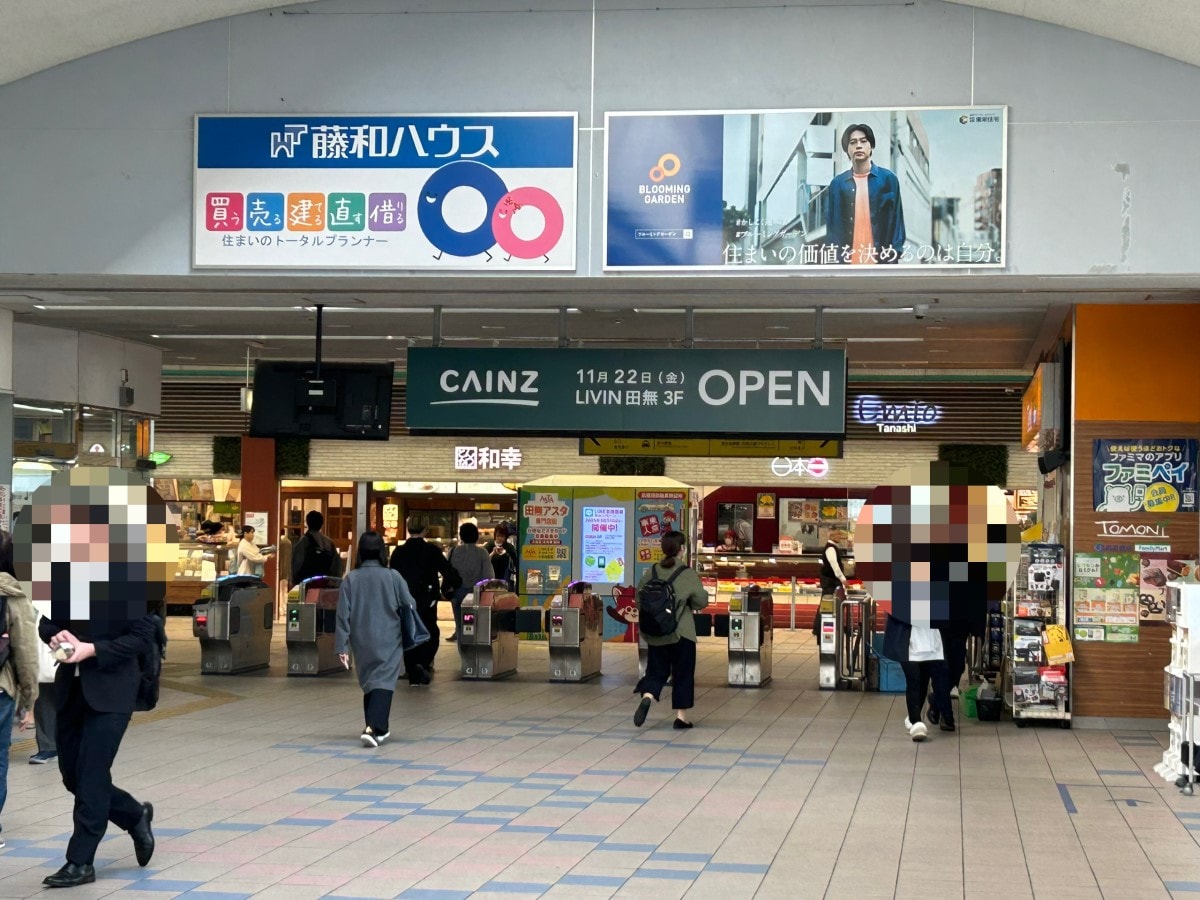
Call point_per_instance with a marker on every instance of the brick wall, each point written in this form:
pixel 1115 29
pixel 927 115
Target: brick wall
pixel 432 459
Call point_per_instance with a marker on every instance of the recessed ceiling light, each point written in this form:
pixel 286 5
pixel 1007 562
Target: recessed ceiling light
pixel 777 328
pixel 492 327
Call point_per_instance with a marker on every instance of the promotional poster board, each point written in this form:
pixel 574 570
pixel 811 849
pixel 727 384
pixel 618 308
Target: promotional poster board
pixel 1155 475
pixel 764 190
pixel 545 535
pixel 490 191
pixel 1106 601
pixel 795 392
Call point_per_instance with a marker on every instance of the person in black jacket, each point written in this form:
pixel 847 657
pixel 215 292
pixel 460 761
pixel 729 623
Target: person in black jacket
pixel 314 554
pixel 420 563
pixel 98 628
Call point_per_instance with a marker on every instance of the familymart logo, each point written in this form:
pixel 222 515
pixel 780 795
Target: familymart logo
pixel 489 387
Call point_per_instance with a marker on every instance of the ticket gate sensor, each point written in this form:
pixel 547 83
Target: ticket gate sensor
pixel 311 626
pixel 575 629
pixel 487 640
pixel 751 637
pixel 233 619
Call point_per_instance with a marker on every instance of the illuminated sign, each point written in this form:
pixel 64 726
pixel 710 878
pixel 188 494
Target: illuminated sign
pixel 891 417
pixel 783 466
pixel 485 459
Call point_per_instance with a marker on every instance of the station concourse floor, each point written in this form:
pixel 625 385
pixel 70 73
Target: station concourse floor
pixel 522 788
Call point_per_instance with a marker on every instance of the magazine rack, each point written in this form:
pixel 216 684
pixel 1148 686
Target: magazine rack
pixel 1037 681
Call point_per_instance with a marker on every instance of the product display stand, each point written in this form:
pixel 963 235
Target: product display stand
pixel 1179 687
pixel 1036 672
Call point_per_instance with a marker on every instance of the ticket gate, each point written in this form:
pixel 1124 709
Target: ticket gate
pixel 233 619
pixel 751 637
pixel 827 663
pixel 311 626
pixel 576 633
pixel 487 639
pixel 854 640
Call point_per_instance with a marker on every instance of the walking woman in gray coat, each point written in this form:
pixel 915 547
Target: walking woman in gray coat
pixel 376 617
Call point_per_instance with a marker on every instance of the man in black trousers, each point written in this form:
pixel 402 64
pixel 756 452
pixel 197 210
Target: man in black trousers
pixel 420 563
pixel 122 545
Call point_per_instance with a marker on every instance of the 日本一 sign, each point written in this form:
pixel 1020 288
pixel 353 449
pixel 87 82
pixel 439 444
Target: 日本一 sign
pixel 791 392
pixel 1154 475
pixel 762 190
pixel 490 191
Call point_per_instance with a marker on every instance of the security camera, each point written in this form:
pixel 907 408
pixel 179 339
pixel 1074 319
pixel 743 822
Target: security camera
pixel 920 310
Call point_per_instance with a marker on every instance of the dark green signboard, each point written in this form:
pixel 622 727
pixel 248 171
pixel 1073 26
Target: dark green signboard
pixel 562 391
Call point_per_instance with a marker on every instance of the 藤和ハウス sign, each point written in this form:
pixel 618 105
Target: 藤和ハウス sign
pixel 760 190
pixel 792 392
pixel 491 191
pixel 1154 475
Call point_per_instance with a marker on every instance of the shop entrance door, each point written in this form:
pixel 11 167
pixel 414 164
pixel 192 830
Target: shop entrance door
pixel 335 504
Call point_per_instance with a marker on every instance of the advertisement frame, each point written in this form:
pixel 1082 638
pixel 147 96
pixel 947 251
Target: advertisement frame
pixel 767 271
pixel 570 235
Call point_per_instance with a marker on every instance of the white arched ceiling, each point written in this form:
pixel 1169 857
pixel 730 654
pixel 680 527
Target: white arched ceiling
pixel 38 34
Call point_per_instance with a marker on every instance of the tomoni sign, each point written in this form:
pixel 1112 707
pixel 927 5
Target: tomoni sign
pixel 790 393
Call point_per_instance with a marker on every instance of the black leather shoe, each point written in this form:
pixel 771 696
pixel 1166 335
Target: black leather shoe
pixel 143 837
pixel 70 875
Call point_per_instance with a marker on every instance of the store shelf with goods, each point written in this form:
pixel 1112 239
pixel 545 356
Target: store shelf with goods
pixel 1037 649
pixel 1180 684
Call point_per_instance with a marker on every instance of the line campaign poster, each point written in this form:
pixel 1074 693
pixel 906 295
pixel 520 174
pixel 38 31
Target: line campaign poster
pixel 764 190
pixel 491 191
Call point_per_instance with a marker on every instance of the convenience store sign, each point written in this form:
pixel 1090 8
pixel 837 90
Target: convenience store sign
pixel 780 392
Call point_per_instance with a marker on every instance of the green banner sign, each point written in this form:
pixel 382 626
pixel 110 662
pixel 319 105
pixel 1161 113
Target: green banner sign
pixel 777 392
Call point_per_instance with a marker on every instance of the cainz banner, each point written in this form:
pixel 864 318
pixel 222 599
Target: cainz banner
pixel 487 191
pixel 644 391
pixel 760 191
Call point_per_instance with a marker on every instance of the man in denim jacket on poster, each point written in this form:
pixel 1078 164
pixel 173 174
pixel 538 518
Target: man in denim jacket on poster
pixel 866 218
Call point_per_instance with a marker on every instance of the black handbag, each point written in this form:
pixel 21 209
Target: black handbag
pixel 896 635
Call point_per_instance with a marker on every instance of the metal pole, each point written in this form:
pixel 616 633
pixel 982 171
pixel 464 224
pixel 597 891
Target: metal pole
pixel 792 623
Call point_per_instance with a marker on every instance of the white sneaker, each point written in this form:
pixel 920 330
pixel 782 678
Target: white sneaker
pixel 954 693
pixel 917 731
pixel 383 737
pixel 368 738
pixel 907 724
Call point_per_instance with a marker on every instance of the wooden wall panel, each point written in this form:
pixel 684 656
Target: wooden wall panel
pixel 1124 680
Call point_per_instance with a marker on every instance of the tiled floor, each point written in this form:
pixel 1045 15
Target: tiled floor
pixel 525 788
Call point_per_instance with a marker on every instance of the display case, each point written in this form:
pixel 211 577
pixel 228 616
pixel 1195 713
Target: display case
pixel 1179 682
pixel 794 580
pixel 199 563
pixel 1038 650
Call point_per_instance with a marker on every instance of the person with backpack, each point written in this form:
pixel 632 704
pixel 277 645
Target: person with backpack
pixel 668 595
pixel 314 554
pixel 422 565
pixel 18 660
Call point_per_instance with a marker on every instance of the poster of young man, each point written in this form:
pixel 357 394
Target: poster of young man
pixel 806 188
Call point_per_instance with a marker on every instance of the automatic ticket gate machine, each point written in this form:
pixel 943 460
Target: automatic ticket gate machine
pixel 576 633
pixel 844 638
pixel 311 626
pixel 751 637
pixel 487 639
pixel 233 619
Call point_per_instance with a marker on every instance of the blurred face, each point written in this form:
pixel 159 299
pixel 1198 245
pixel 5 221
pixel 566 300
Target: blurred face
pixel 98 545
